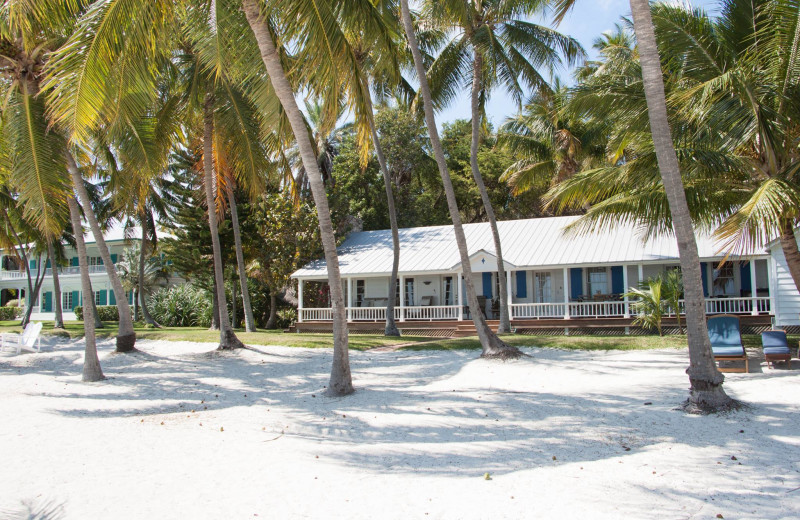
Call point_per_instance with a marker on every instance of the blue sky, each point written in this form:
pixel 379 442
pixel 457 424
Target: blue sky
pixel 587 21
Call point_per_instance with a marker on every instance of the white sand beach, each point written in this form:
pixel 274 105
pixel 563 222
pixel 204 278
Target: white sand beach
pixel 175 432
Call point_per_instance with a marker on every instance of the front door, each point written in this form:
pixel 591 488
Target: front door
pixel 544 291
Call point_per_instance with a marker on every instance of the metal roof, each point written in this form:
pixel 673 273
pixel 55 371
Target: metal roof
pixel 527 244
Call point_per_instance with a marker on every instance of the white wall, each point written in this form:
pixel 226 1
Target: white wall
pixel 785 295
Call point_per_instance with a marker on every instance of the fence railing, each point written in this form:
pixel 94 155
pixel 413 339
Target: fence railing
pixel 609 309
pixel 62 271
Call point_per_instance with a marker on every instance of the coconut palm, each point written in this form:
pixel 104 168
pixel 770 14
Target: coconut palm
pixel 492 345
pixel 493 43
pixel 649 304
pixel 706 381
pixel 141 278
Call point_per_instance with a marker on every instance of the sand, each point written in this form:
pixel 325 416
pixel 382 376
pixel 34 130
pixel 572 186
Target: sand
pixel 175 432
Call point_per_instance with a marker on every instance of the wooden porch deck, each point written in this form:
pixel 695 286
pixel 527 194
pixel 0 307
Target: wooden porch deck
pixel 539 327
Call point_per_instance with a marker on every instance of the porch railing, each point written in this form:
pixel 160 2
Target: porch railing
pixel 608 309
pixel 63 271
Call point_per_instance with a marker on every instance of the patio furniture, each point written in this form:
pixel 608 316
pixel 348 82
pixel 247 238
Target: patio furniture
pixel 28 338
pixel 776 347
pixel 726 341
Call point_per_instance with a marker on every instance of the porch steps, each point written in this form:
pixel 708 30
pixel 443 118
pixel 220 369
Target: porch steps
pixel 467 328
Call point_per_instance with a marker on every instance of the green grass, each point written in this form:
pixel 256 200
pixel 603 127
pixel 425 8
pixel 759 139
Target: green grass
pixel 74 329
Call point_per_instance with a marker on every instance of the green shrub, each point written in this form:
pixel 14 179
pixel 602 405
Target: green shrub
pixel 181 306
pixel 286 317
pixel 10 313
pixel 106 312
pixel 13 303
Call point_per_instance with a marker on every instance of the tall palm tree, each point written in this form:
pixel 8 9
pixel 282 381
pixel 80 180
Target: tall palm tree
pixel 505 50
pixel 706 381
pixel 492 345
pixel 58 322
pixel 260 24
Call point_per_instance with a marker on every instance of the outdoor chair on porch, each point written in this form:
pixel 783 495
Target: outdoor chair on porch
pixel 776 347
pixel 726 341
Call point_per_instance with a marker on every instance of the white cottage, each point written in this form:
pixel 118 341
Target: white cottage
pixel 553 275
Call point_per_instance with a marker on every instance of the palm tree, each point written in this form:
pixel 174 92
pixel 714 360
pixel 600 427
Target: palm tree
pixel 140 277
pixel 58 322
pixel 341 379
pixel 504 50
pixel 649 305
pixel 552 144
pixel 492 345
pixel 706 381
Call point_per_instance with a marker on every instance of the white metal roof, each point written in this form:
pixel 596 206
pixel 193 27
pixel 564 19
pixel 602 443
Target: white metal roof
pixel 527 244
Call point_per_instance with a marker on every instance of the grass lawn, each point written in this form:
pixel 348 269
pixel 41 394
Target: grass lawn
pixel 363 342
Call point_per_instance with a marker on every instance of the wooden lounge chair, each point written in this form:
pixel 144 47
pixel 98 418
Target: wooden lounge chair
pixel 726 341
pixel 28 338
pixel 776 347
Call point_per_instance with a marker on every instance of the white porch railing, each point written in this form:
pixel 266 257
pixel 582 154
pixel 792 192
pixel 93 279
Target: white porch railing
pixel 63 271
pixel 12 275
pixel 537 310
pixel 609 309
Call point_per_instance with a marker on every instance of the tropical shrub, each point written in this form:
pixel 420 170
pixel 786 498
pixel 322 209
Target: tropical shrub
pixel 105 312
pixel 9 313
pixel 286 317
pixel 181 306
pixel 649 305
pixel 13 303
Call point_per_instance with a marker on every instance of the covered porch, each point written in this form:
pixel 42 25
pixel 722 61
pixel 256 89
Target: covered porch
pixel 550 293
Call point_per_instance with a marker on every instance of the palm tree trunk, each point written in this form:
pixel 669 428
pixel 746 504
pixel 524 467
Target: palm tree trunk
pixel 706 391
pixel 140 282
pixel 59 319
pixel 126 337
pixel 249 322
pixel 272 322
pixel 492 345
pixel 234 305
pixel 391 326
pixel 790 252
pixel 98 323
pixel 341 382
pixel 477 70
pixel 34 291
pixel 214 307
pixel 91 363
pixel 227 338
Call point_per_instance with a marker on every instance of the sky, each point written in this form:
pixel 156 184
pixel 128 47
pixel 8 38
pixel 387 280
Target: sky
pixel 588 20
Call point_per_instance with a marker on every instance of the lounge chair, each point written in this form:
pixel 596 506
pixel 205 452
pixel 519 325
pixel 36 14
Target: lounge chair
pixel 776 347
pixel 726 341
pixel 28 338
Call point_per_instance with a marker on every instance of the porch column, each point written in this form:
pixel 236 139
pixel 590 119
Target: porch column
pixel 753 287
pixel 300 300
pixel 458 298
pixel 349 299
pixel 402 297
pixel 509 274
pixel 625 285
pixel 641 274
pixel 566 293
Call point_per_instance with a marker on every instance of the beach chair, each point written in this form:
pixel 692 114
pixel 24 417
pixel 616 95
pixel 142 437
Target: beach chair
pixel 776 347
pixel 726 341
pixel 28 338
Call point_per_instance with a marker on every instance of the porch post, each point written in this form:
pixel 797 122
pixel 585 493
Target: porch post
pixel 753 286
pixel 641 274
pixel 349 299
pixel 566 293
pixel 402 297
pixel 625 286
pixel 458 298
pixel 300 300
pixel 510 295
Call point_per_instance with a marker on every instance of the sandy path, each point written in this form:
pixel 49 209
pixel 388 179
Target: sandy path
pixel 176 433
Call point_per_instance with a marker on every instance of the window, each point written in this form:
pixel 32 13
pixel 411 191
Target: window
pixel 409 292
pixel 359 293
pixel 544 288
pixel 96 297
pixel 723 280
pixel 448 290
pixel 598 280
pixel 66 300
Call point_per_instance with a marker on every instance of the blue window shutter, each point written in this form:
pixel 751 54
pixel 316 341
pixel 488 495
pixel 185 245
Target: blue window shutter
pixel 744 271
pixel 75 299
pixel 617 282
pixel 103 298
pixel 33 264
pixel 112 298
pixel 704 274
pixel 487 285
pixel 130 297
pixel 522 284
pixel 576 282
pixel 47 265
pixel 47 302
pixel 113 258
pixel 74 261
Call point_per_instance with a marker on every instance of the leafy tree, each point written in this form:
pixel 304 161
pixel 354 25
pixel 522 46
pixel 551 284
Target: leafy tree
pixel 141 283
